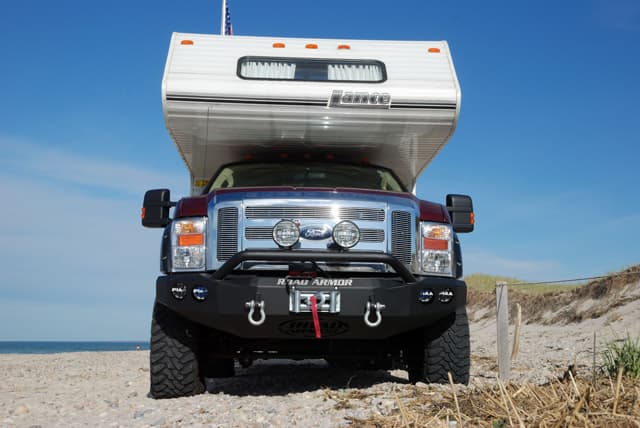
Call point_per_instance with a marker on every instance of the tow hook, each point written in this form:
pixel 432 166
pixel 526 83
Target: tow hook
pixel 252 306
pixel 377 307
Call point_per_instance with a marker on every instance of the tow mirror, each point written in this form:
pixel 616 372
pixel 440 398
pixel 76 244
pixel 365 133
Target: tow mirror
pixel 155 208
pixel 460 209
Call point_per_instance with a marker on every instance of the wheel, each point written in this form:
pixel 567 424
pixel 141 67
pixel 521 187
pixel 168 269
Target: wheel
pixel 174 364
pixel 445 349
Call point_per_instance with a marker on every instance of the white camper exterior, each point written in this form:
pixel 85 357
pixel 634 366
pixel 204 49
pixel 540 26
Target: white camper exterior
pixel 216 113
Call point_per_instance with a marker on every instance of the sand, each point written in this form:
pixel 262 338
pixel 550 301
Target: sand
pixel 110 388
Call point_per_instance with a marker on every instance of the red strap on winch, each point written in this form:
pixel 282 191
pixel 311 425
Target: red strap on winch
pixel 314 313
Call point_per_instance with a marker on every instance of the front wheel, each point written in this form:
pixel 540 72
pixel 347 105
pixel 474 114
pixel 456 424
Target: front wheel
pixel 173 357
pixel 445 349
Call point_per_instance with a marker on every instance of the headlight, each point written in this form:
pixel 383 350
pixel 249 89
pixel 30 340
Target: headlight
pixel 346 234
pixel 188 243
pixel 437 249
pixel 286 233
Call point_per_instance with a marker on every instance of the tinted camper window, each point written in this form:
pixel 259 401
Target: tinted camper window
pixel 305 69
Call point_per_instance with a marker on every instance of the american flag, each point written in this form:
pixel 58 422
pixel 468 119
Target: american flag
pixel 228 28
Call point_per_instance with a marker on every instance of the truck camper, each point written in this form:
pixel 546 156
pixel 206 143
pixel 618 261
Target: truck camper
pixel 303 236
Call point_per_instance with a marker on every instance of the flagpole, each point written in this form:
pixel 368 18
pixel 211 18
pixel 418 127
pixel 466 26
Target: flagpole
pixel 223 17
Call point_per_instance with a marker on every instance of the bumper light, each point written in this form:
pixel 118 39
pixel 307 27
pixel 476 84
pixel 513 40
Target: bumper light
pixel 286 233
pixel 200 293
pixel 445 296
pixel 179 291
pixel 346 234
pixel 425 296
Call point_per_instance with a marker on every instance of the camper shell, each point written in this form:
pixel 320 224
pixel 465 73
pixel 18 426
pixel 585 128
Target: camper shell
pixel 216 116
pixel 303 236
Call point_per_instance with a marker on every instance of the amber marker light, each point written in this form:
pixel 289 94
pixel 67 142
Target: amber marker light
pixel 344 47
pixel 186 42
pixel 143 213
pixel 472 218
pixel 279 45
pixel 311 46
pixel 187 228
pixel 190 240
pixel 435 244
pixel 434 50
pixel 437 233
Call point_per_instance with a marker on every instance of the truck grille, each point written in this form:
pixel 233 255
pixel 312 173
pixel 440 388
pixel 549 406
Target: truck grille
pixel 227 233
pixel 344 213
pixel 366 235
pixel 401 236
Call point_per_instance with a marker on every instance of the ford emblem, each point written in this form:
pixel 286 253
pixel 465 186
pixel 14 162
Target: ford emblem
pixel 315 232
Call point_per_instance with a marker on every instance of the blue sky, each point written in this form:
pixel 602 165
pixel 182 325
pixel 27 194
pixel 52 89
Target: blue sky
pixel 547 142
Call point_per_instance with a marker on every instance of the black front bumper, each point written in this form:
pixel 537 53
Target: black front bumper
pixel 225 309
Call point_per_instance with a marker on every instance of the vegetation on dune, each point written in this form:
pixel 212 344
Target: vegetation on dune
pixel 555 303
pixel 625 355
pixel 486 283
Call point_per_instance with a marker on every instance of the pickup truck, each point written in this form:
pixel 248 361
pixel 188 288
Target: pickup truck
pixel 302 236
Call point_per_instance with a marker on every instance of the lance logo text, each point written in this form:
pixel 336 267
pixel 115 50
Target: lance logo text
pixel 359 99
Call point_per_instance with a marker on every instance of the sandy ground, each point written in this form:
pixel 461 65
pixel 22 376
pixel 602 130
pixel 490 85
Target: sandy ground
pixel 110 388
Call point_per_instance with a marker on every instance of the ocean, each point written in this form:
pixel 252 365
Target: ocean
pixel 57 347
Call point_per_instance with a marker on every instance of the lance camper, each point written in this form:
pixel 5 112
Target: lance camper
pixel 303 236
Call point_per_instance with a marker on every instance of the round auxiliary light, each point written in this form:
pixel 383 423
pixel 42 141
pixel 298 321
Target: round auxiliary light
pixel 346 234
pixel 445 296
pixel 200 293
pixel 179 291
pixel 286 233
pixel 425 296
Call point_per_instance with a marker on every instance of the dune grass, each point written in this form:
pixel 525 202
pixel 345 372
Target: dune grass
pixel 487 283
pixel 623 354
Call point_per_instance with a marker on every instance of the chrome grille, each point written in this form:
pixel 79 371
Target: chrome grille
pixel 401 236
pixel 227 233
pixel 344 213
pixel 366 235
pixel 258 233
pixel 372 235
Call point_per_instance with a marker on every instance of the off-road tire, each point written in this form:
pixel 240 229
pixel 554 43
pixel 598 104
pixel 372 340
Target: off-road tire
pixel 446 349
pixel 174 364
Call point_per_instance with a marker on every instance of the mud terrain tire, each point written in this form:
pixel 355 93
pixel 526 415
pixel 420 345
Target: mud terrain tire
pixel 173 357
pixel 446 349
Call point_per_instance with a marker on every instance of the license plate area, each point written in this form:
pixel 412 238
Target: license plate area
pixel 326 301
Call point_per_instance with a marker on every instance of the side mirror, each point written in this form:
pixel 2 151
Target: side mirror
pixel 155 208
pixel 460 209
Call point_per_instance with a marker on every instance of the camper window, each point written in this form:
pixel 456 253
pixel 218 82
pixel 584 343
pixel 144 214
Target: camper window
pixel 315 70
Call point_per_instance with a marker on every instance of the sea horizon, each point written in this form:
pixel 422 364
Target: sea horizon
pixel 60 346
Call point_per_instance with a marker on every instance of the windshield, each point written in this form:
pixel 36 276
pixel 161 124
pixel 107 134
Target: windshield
pixel 306 174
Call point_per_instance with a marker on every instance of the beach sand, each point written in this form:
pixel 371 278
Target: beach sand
pixel 110 388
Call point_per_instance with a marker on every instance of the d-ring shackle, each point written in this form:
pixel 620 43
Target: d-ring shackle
pixel 378 307
pixel 252 305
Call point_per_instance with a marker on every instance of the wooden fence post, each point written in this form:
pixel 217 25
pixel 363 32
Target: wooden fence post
pixel 502 303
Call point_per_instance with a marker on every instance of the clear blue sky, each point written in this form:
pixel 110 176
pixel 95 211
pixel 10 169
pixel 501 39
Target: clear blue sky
pixel 547 142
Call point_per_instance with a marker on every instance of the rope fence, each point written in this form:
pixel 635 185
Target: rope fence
pixel 587 278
